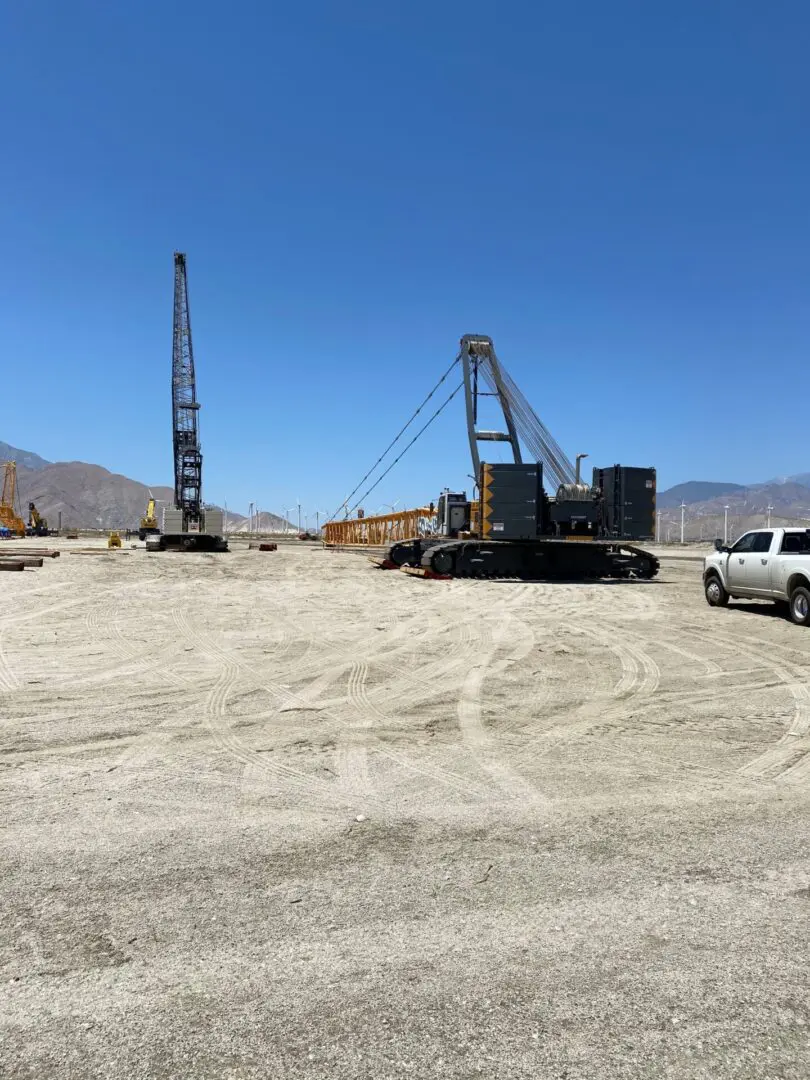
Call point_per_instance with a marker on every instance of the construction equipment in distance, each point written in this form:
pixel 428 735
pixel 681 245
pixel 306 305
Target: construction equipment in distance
pixel 114 540
pixel 149 525
pixel 37 524
pixel 11 524
pixel 517 530
pixel 187 526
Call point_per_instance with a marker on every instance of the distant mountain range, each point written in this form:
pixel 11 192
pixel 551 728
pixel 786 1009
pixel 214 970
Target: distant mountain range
pixel 700 491
pixel 22 457
pixel 786 501
pixel 91 497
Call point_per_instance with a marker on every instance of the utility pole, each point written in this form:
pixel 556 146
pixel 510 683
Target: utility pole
pixel 725 527
pixel 250 518
pixel 299 517
pixel 770 509
pixel 225 523
pixel 658 530
pixel 683 513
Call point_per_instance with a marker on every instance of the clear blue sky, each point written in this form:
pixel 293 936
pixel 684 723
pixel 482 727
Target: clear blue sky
pixel 617 192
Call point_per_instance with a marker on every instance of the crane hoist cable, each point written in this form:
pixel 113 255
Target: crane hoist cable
pixel 394 441
pixel 424 428
pixel 532 431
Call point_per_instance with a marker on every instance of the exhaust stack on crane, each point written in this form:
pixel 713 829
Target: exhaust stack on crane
pixel 187 526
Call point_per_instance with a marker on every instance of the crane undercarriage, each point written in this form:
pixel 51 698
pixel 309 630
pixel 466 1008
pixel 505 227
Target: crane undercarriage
pixel 525 560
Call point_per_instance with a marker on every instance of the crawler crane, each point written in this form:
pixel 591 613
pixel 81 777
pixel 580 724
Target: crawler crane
pixel 187 526
pixel 516 529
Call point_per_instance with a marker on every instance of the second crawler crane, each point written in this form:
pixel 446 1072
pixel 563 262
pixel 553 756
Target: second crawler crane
pixel 516 530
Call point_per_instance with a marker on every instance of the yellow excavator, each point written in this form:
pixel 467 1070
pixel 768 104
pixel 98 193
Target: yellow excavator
pixel 149 523
pixel 37 524
pixel 11 524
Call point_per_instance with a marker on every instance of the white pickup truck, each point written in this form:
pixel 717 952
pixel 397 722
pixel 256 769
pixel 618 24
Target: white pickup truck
pixel 766 564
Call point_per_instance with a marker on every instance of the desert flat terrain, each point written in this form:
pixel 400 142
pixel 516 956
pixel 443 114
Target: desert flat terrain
pixel 284 815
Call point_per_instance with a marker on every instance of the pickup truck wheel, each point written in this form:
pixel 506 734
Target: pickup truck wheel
pixel 800 606
pixel 716 595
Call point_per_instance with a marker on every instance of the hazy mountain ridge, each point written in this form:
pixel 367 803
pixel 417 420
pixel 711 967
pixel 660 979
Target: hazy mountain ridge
pixel 694 491
pixel 87 496
pixel 23 457
pixel 789 498
pixel 91 497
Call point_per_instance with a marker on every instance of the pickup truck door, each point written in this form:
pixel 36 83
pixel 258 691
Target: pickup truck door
pixel 758 565
pixel 736 567
pixel 794 554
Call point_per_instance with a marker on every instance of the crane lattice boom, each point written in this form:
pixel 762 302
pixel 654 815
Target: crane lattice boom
pixel 187 451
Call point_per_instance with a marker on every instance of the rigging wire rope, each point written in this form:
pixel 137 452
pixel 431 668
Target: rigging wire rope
pixel 445 403
pixel 394 441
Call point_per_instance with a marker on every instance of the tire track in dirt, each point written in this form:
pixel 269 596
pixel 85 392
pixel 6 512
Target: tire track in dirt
pixel 475 735
pixel 420 680
pixel 638 680
pixel 787 760
pixel 291 779
pixel 32 615
pixel 359 700
pixel 104 626
pixel 351 756
pixel 358 695
pixel 407 634
pixel 8 680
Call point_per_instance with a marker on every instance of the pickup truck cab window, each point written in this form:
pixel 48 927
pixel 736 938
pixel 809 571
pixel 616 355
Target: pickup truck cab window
pixel 745 543
pixel 762 541
pixel 796 544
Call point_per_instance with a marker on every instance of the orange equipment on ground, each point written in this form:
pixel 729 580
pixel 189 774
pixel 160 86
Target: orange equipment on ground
pixel 9 517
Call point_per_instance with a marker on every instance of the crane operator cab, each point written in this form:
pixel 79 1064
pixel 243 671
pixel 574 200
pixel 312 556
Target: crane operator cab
pixel 453 513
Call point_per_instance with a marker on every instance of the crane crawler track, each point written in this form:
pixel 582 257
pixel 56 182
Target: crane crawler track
pixel 543 559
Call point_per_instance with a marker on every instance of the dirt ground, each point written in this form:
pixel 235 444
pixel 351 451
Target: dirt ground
pixel 283 815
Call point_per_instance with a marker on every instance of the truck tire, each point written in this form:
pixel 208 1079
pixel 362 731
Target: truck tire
pixel 800 606
pixel 716 595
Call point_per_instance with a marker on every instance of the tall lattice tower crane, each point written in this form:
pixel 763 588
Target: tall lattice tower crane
pixel 185 407
pixel 187 524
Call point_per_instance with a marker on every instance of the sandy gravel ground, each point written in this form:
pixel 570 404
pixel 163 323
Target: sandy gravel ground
pixel 283 815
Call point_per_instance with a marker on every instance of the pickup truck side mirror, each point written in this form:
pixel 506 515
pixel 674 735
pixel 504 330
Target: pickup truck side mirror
pixel 720 546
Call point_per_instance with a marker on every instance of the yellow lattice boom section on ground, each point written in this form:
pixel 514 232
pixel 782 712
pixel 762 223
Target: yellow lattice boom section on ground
pixel 386 528
pixel 383 529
